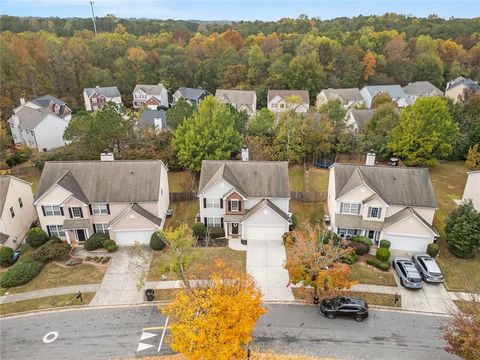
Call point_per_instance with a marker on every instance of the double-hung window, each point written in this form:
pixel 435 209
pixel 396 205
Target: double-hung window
pixel 374 212
pixel 99 209
pixel 12 213
pixel 234 205
pixel 101 228
pixel 214 222
pixel 52 210
pixel 55 230
pixel 76 212
pixel 350 208
pixel 20 202
pixel 212 203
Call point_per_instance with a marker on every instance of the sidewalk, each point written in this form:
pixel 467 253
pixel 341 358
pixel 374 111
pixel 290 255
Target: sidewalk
pixel 49 292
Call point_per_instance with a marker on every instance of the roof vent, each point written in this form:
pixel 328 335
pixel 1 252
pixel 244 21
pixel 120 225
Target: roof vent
pixel 106 156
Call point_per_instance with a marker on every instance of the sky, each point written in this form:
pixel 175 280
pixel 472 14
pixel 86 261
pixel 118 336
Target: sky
pixel 239 10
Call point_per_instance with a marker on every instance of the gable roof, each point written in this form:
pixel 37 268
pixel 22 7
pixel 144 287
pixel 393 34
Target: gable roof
pixel 4 186
pixel 237 97
pixel 303 94
pixel 250 178
pixel 422 88
pixel 463 81
pixel 109 91
pixel 44 101
pixel 395 185
pixel 267 203
pixel 139 210
pixel 395 91
pixel 149 89
pixel 405 213
pixel 104 181
pixel 361 116
pixel 147 119
pixel 29 118
pixel 192 94
pixel 3 238
pixel 350 94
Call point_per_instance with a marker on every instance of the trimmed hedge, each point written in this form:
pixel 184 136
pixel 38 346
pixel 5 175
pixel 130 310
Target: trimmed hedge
pixel 157 240
pixel 363 240
pixel 52 250
pixel 385 244
pixel 198 230
pixel 216 232
pixel 360 248
pixel 382 254
pixel 36 237
pixel 381 265
pixel 6 254
pixel 433 250
pixel 95 242
pixel 110 245
pixel 20 273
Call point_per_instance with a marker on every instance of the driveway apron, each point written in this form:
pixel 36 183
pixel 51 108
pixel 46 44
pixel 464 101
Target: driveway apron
pixel 265 259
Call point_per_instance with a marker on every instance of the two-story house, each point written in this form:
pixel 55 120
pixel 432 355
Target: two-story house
pixel 40 123
pixel 419 89
pixel 150 96
pixel 242 100
pixel 383 202
pixel 395 91
pixel 126 199
pixel 456 88
pixel 190 95
pixel 248 199
pixel 279 101
pixel 350 97
pixel 357 118
pixel 16 210
pixel 96 98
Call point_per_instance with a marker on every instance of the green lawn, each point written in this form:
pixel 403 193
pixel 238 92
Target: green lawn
pixel 296 175
pixel 184 212
pixel 201 265
pixel 364 274
pixel 45 303
pixel 448 180
pixel 34 178
pixel 371 298
pixel 181 181
pixel 317 180
pixel 53 275
pixel 307 213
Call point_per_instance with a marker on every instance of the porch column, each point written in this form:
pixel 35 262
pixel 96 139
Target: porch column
pixel 86 233
pixel 67 236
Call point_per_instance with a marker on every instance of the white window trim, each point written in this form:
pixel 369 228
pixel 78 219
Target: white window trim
pixel 212 203
pixel 347 208
pixel 371 209
pixel 214 222
pixel 79 214
pixel 20 202
pixel 104 229
pixel 56 230
pixel 12 212
pixel 99 209
pixel 347 231
pixel 237 205
pixel 52 210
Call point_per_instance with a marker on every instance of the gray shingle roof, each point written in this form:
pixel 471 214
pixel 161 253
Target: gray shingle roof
pixel 403 214
pixel 303 94
pixel 395 91
pixel 268 203
pixel 71 224
pixel 29 118
pixel 105 181
pixel 192 94
pixel 149 89
pixel 461 80
pixel 147 119
pixel 361 116
pixel 237 97
pixel 44 101
pixel 395 185
pixel 109 91
pixel 4 185
pixel 146 214
pixel 250 178
pixel 422 88
pixel 350 94
pixel 356 222
pixel 3 238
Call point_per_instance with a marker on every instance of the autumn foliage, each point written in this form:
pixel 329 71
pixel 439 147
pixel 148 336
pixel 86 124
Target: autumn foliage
pixel 214 320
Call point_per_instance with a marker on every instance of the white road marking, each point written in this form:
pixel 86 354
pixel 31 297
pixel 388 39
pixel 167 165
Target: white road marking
pixel 163 335
pixel 147 335
pixel 50 337
pixel 143 346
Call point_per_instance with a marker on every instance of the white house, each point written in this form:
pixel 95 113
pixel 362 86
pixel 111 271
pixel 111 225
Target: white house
pixel 95 98
pixel 350 97
pixel 40 123
pixel 357 118
pixel 472 189
pixel 279 101
pixel 150 96
pixel 456 88
pixel 248 199
pixel 190 95
pixel 383 202
pixel 395 91
pixel 419 89
pixel 242 100
pixel 16 210
pixel 126 199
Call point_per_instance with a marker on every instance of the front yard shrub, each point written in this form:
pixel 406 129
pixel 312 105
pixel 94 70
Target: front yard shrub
pixel 198 230
pixel 6 254
pixel 433 250
pixel 350 259
pixel 36 237
pixel 360 248
pixel 20 273
pixel 52 251
pixel 381 265
pixel 157 240
pixel 20 156
pixel 363 240
pixel 110 246
pixel 288 239
pixel 95 242
pixel 385 244
pixel 216 232
pixel 294 223
pixel 382 254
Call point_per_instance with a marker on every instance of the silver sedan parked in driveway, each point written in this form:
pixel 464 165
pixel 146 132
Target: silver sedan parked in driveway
pixel 427 267
pixel 407 272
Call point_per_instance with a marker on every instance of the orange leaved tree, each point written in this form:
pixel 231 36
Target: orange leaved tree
pixel 214 320
pixel 314 261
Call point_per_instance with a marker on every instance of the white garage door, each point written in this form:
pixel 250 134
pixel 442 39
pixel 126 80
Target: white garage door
pixel 129 237
pixel 408 243
pixel 265 232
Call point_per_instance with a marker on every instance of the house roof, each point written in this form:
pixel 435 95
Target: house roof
pixel 109 91
pixel 395 91
pixel 403 214
pixel 146 214
pixel 250 178
pixel 192 93
pixel 395 185
pixel 303 94
pixel 147 119
pixel 361 116
pixel 356 222
pixel 267 203
pixel 350 94
pixel 237 97
pixel 44 101
pixel 71 224
pixel 29 118
pixel 149 89
pixel 3 238
pixel 462 81
pixel 105 181
pixel 4 185
pixel 422 88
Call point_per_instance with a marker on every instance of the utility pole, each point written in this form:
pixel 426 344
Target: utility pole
pixel 93 18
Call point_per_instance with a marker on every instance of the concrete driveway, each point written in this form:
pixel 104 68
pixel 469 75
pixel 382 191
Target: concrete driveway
pixel 265 259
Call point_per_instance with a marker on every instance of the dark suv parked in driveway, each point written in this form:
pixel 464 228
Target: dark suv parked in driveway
pixel 345 306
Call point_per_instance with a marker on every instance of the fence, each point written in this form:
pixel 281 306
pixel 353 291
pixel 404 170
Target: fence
pixel 360 159
pixel 312 196
pixel 183 196
pixel 24 170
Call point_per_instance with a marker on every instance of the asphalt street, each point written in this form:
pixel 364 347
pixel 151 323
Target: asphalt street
pixel 140 331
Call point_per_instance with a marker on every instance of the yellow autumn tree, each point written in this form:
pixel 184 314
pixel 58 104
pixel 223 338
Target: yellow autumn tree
pixel 214 320
pixel 369 63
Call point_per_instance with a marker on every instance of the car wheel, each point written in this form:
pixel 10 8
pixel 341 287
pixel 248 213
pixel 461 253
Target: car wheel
pixel 359 318
pixel 330 315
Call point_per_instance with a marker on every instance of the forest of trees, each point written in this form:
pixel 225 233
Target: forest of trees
pixel 62 56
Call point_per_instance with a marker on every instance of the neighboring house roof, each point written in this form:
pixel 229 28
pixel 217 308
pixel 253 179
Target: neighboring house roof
pixel 264 179
pixel 109 91
pixel 237 97
pixel 4 185
pixel 350 94
pixel 463 81
pixel 394 185
pixel 403 214
pixel 104 181
pixel 303 94
pixel 44 101
pixel 268 203
pixel 3 238
pixel 191 93
pixel 395 91
pixel 422 88
pixel 147 119
pixel 361 116
pixel 149 89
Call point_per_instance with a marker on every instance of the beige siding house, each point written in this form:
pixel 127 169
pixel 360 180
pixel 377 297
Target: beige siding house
pixel 96 98
pixel 350 98
pixel 242 100
pixel 279 101
pixel 472 189
pixel 126 199
pixel 456 88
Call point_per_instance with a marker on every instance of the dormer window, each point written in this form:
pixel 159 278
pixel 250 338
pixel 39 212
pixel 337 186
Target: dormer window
pixel 234 205
pixel 374 212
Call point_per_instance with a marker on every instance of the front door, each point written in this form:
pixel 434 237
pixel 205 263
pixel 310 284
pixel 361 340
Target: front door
pixel 81 236
pixel 372 234
pixel 234 228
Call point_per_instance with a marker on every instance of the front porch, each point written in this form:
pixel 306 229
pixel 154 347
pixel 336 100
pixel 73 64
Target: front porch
pixel 76 230
pixel 373 235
